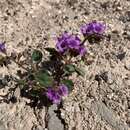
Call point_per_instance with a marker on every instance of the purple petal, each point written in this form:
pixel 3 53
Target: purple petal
pixel 83 29
pixel 53 96
pixel 82 51
pixel 73 44
pixel 93 28
pixel 2 47
pixel 89 28
pixel 56 99
pixel 99 28
pixel 49 93
pixel 67 42
pixel 61 46
pixel 63 90
pixel 62 43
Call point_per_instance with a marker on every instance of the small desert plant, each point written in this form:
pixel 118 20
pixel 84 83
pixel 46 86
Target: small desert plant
pixel 51 78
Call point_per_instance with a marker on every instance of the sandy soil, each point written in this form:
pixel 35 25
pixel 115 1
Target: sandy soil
pixel 101 100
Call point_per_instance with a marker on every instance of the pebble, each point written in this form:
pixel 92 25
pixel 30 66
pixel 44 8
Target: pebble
pixel 127 66
pixel 2 127
pixel 128 35
pixel 109 116
pixel 54 123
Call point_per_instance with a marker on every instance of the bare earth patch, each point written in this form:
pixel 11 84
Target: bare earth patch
pixel 101 100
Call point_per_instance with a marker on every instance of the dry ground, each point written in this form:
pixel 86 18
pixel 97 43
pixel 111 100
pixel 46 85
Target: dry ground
pixel 101 100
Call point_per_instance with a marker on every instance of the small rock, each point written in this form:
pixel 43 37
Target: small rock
pixel 121 56
pixel 52 109
pixel 2 127
pixel 127 82
pixel 105 5
pixel 127 66
pixel 126 17
pixel 4 81
pixel 128 35
pixel 54 122
pixel 128 14
pixel 129 104
pixel 53 1
pixel 17 92
pixel 104 76
pixel 110 78
pixel 128 118
pixel 71 2
pixel 119 8
pixel 109 116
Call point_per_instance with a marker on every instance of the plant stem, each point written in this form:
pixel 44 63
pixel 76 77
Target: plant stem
pixel 82 43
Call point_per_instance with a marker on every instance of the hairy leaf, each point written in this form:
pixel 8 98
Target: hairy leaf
pixel 79 71
pixel 69 69
pixel 44 79
pixel 37 56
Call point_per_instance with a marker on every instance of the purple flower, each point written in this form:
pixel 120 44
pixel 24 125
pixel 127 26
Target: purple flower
pixel 53 96
pixel 63 90
pixel 62 43
pixel 93 28
pixel 82 50
pixel 74 42
pixel 68 43
pixel 2 47
pixel 56 95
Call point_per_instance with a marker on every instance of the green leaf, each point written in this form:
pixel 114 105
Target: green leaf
pixel 66 73
pixel 69 68
pixel 37 56
pixel 79 71
pixel 44 79
pixel 68 83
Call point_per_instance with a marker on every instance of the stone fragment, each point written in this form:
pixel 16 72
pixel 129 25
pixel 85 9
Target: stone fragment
pixel 109 116
pixel 54 122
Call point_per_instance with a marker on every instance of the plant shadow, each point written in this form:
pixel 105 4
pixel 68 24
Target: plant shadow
pixel 39 99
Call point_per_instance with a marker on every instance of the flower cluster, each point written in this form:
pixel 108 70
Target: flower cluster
pixel 67 43
pixel 55 95
pixel 93 28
